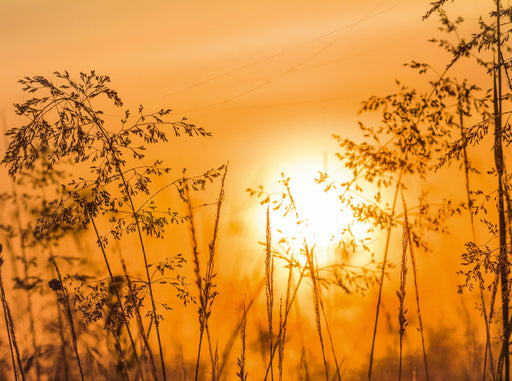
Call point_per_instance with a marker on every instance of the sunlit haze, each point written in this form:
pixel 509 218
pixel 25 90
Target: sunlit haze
pixel 264 86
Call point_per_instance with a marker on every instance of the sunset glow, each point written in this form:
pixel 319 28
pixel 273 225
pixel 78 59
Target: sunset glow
pixel 271 190
pixel 322 219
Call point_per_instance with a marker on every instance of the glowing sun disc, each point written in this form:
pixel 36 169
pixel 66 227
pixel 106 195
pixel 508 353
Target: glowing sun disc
pixel 323 217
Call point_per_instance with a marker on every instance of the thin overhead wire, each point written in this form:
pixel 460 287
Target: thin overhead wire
pixel 367 16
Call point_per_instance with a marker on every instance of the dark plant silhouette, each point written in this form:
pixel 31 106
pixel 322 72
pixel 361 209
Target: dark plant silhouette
pixel 402 149
pixel 304 262
pixel 205 283
pixel 109 323
pixel 65 122
pixel 17 365
pixel 485 264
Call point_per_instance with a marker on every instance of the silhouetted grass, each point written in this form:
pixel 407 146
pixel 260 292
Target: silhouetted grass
pixel 17 366
pixel 118 199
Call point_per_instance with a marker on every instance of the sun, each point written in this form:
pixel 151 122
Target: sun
pixel 321 219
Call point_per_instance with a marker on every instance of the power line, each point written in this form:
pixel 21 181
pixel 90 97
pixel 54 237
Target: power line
pixel 365 17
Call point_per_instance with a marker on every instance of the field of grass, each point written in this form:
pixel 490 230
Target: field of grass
pixel 115 265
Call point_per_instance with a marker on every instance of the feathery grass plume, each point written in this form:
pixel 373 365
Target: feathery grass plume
pixel 310 265
pixel 58 286
pixel 205 285
pixel 283 319
pixel 337 274
pixel 414 137
pixel 415 279
pixel 64 122
pixel 215 364
pixel 310 268
pixel 269 289
pixel 402 312
pixel 9 325
pixel 491 39
pixel 403 145
pixel 242 374
pixel 201 311
pixel 303 366
pixel 316 305
pixel 466 103
pixel 413 129
pixel 209 287
pixel 236 332
pixel 280 338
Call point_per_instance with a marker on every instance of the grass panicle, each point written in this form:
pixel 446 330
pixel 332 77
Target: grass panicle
pixel 204 284
pixel 242 373
pixel 269 290
pixel 280 343
pixel 116 192
pixel 402 312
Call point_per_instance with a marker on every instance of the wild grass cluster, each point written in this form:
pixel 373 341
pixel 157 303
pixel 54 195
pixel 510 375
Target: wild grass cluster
pixel 95 284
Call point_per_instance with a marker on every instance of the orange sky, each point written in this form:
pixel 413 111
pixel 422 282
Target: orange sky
pixel 271 79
